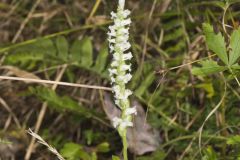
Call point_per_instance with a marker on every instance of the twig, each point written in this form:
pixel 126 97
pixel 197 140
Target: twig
pixel 40 140
pixel 55 83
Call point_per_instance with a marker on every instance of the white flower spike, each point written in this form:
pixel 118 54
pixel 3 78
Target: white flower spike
pixel 119 72
pixel 120 68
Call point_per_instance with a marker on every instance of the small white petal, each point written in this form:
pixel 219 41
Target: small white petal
pixel 127 56
pixel 126 13
pixel 116 57
pixel 112 28
pixel 111 48
pixel 114 64
pixel 113 80
pixel 113 15
pixel 125 67
pixel 126 78
pixel 125 124
pixel 112 71
pixel 112 40
pixel 123 30
pixel 131 110
pixel 116 122
pixel 123 38
pixel 111 34
pixel 125 95
pixel 123 46
pixel 117 102
pixel 126 22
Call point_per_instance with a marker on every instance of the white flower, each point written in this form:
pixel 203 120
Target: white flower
pixel 112 71
pixel 114 15
pixel 127 56
pixel 111 48
pixel 116 122
pixel 126 78
pixel 114 64
pixel 125 94
pixel 113 79
pixel 123 31
pixel 125 67
pixel 123 46
pixel 131 110
pixel 125 123
pixel 125 13
pixel 121 123
pixel 112 40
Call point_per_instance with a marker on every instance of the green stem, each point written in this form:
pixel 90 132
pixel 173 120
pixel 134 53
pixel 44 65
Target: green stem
pixel 235 77
pixel 125 144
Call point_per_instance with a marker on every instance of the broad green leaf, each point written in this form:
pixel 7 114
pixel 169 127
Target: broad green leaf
pixel 75 51
pixel 215 42
pixel 101 58
pixel 103 147
pixel 235 47
pixel 235 66
pixel 87 52
pixel 208 67
pixel 233 140
pixel 62 47
pixel 45 46
pixel 73 151
pixel 81 52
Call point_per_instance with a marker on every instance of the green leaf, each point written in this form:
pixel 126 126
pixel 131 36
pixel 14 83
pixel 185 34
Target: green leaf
pixel 235 66
pixel 73 151
pixel 86 49
pixel 45 46
pixel 101 58
pixel 208 87
pixel 81 52
pixel 103 147
pixel 60 103
pixel 62 47
pixel 210 154
pixel 215 42
pixel 208 67
pixel 233 140
pixel 145 84
pixel 75 51
pixel 157 155
pixel 235 47
pixel 115 158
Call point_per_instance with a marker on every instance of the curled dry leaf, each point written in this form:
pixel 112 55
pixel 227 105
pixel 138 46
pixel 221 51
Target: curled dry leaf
pixel 142 138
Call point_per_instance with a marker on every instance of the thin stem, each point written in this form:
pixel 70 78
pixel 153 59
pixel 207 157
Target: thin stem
pixel 125 144
pixel 235 77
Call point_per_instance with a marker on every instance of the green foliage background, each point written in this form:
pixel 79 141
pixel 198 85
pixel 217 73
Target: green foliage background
pixel 185 69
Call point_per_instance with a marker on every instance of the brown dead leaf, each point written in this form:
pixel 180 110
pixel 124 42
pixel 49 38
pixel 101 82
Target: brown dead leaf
pixel 97 20
pixel 142 138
